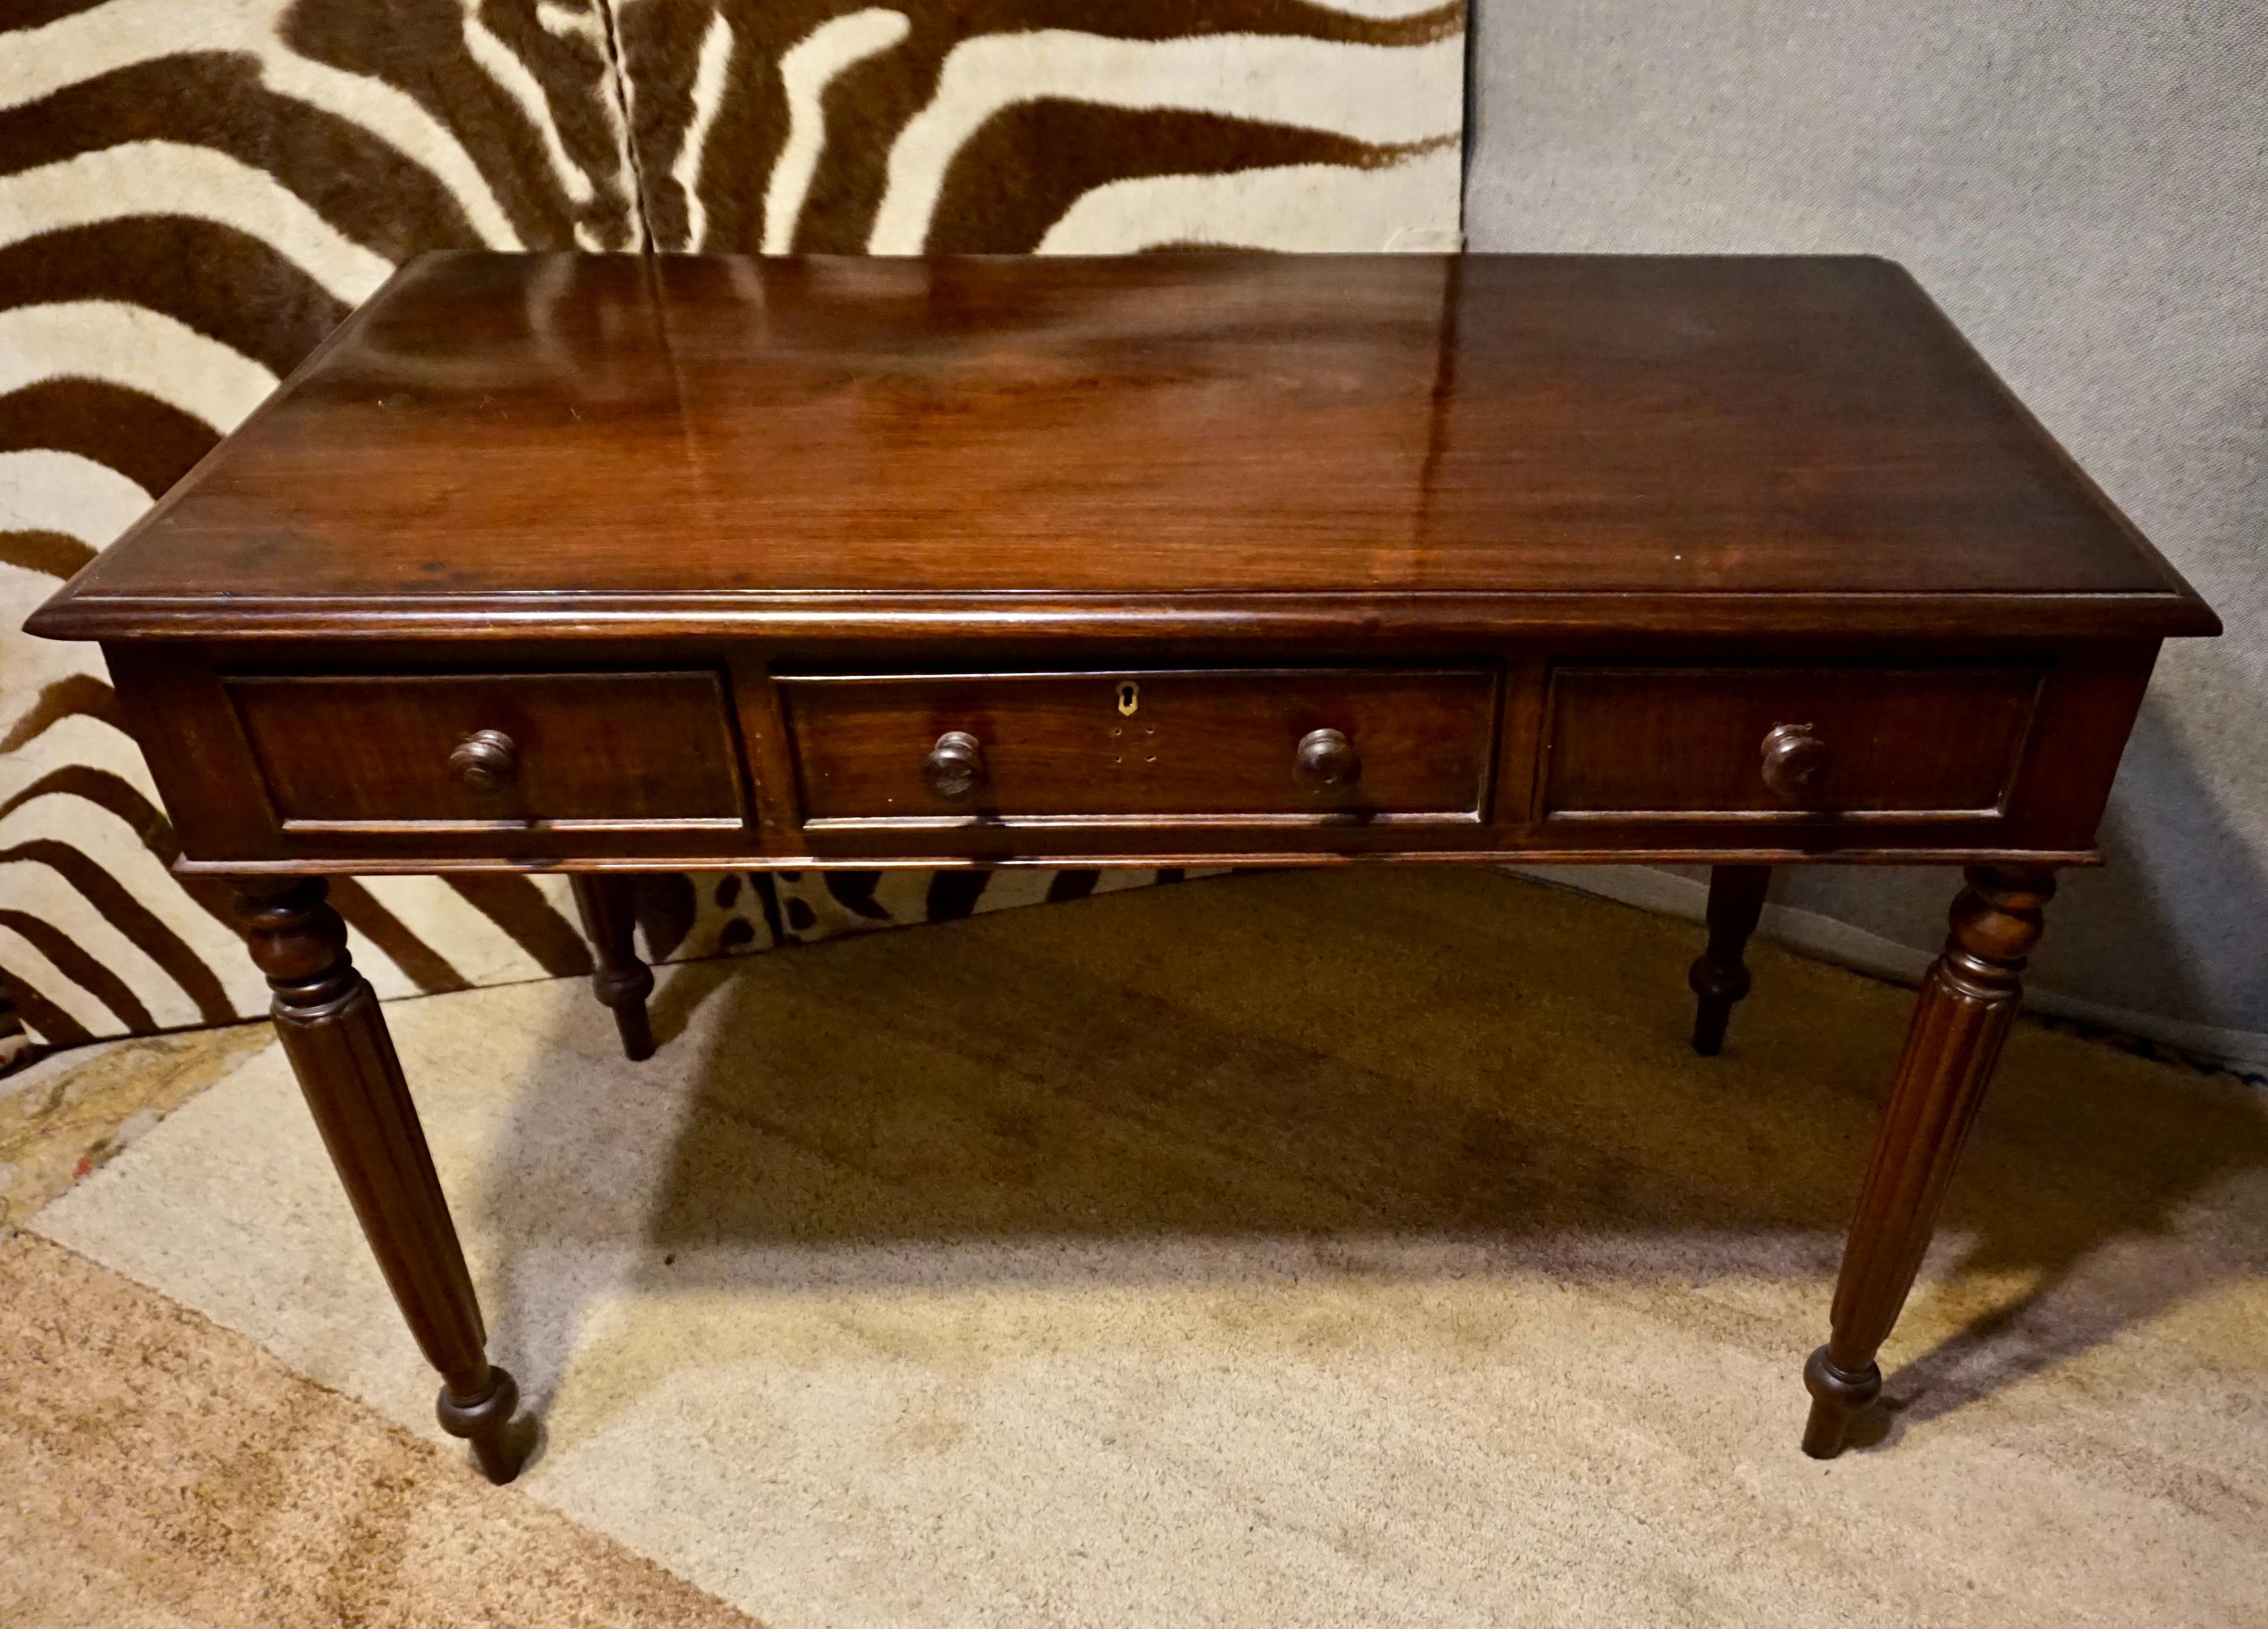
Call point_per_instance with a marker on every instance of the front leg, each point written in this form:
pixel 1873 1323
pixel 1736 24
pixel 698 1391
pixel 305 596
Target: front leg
pixel 1968 1000
pixel 334 1035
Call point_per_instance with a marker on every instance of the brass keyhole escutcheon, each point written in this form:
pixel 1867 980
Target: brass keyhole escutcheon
pixel 1129 697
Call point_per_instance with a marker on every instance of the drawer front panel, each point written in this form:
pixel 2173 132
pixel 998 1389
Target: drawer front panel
pixel 1097 746
pixel 635 749
pixel 1856 744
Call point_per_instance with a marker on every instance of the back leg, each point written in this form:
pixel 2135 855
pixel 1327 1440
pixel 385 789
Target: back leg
pixel 1719 976
pixel 621 980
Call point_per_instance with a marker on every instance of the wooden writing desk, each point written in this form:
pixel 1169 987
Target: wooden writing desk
pixel 599 564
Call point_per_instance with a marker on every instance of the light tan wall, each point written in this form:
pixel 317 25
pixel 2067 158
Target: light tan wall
pixel 2083 184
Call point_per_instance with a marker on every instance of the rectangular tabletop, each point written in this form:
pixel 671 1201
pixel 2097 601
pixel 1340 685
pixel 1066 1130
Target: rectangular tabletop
pixel 1512 440
pixel 564 562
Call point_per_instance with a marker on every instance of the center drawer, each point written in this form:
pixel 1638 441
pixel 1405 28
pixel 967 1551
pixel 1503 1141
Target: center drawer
pixel 1294 746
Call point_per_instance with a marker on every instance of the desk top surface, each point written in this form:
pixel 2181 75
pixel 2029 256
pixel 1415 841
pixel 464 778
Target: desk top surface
pixel 594 443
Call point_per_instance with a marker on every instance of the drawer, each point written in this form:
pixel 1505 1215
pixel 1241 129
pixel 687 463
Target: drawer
pixel 619 749
pixel 1287 745
pixel 1787 743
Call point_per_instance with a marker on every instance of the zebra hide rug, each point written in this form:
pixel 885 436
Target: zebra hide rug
pixel 192 195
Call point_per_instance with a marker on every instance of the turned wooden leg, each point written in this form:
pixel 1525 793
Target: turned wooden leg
pixel 336 1037
pixel 621 982
pixel 1719 976
pixel 1968 1000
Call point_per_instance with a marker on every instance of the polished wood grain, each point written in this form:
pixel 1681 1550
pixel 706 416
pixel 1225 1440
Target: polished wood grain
pixel 1795 762
pixel 500 445
pixel 486 761
pixel 181 698
pixel 955 770
pixel 329 1023
pixel 1789 744
pixel 599 564
pixel 1105 746
pixel 481 749
pixel 1968 1001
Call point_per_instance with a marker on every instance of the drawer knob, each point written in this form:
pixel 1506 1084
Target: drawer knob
pixel 955 767
pixel 486 761
pixel 1795 758
pixel 1326 761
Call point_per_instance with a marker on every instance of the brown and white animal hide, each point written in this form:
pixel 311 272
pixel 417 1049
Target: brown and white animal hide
pixel 192 195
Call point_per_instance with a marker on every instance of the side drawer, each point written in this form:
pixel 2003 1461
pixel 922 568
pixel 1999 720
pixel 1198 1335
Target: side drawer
pixel 347 751
pixel 1218 744
pixel 1854 745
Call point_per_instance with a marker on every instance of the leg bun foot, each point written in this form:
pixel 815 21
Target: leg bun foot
pixel 485 1421
pixel 1837 1399
pixel 635 1029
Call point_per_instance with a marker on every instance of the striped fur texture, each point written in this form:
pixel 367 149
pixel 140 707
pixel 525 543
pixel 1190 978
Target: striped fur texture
pixel 192 195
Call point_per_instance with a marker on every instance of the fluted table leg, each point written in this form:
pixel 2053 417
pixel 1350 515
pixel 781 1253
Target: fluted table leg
pixel 334 1035
pixel 1967 1001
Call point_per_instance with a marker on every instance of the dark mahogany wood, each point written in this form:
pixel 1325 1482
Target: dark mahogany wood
pixel 596 564
pixel 1968 1001
pixel 1107 745
pixel 1795 762
pixel 1789 744
pixel 182 694
pixel 328 1022
pixel 480 748
pixel 1327 763
pixel 955 768
pixel 488 762
pixel 1720 976
pixel 621 980
pixel 1536 435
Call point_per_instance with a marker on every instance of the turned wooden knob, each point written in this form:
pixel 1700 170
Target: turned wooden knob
pixel 955 767
pixel 486 761
pixel 1794 759
pixel 1326 761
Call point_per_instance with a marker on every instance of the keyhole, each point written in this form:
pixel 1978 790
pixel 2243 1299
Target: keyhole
pixel 1129 697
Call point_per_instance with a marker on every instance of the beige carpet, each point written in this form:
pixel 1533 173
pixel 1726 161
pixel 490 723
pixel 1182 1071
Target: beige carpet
pixel 63 1115
pixel 158 1471
pixel 1358 1248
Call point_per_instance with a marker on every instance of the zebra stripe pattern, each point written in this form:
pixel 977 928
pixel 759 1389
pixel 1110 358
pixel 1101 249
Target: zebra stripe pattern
pixel 192 196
